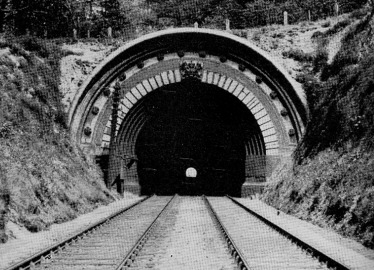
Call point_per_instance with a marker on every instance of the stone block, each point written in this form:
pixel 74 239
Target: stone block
pixel 249 189
pixel 132 188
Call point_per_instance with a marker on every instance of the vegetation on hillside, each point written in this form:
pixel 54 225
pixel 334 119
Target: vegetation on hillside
pixel 331 182
pixel 340 95
pixel 58 18
pixel 44 177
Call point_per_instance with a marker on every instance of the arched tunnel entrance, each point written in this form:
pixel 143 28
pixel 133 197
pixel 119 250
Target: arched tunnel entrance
pixel 192 124
pixel 229 111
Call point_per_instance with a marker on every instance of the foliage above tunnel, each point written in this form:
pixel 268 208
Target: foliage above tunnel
pixel 58 18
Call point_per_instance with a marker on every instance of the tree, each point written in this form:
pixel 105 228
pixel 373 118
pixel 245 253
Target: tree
pixel 113 14
pixel 3 6
pixel 40 17
pixel 371 5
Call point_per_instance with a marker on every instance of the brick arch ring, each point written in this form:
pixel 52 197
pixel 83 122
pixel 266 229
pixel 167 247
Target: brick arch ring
pixel 152 61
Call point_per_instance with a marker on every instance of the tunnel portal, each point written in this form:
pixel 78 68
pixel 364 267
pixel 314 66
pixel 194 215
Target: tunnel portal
pixel 189 98
pixel 192 124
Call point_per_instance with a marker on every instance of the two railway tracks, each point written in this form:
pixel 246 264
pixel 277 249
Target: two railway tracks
pixel 183 233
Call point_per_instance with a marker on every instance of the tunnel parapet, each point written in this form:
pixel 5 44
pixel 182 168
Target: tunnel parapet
pixel 153 62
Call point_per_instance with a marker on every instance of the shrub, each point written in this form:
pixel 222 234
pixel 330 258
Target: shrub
pixel 240 33
pixel 326 24
pixel 278 35
pixel 332 31
pixel 298 55
pixel 4 44
pixel 321 58
pixel 34 45
pixel 342 59
pixel 358 14
pixel 66 52
pixel 61 118
pixel 317 34
pixel 257 36
pixel 274 44
pixel 337 27
pixel 6 130
pixel 343 24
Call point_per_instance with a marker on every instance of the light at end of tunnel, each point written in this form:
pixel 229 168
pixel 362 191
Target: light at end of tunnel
pixel 191 172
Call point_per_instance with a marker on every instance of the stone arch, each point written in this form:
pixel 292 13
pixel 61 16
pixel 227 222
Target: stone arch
pixel 153 61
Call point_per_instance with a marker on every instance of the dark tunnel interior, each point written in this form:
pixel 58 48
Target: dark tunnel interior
pixel 192 124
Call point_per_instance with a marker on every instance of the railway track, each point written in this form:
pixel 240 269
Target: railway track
pixel 188 238
pixel 299 243
pixel 263 245
pixel 102 245
pixel 183 233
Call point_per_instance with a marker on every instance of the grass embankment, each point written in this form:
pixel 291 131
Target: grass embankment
pixel 332 180
pixel 44 177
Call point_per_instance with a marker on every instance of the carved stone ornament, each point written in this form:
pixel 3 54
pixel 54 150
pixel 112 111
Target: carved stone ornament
pixel 95 110
pixel 87 131
pixel 284 112
pixel 191 70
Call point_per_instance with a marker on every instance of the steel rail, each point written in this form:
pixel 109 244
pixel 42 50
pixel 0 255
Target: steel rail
pixel 48 252
pixel 235 251
pixel 330 262
pixel 131 255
